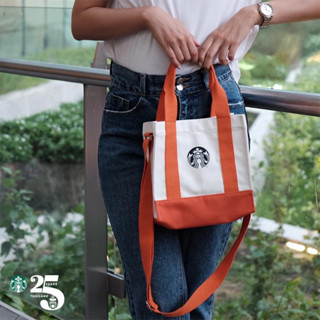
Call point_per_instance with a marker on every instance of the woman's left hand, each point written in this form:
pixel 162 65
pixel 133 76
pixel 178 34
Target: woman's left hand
pixel 224 41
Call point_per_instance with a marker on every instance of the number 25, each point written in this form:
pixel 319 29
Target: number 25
pixel 53 291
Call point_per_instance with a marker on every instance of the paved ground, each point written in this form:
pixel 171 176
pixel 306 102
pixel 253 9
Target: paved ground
pixel 50 95
pixel 9 313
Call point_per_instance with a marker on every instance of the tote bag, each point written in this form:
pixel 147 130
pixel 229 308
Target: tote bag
pixel 196 173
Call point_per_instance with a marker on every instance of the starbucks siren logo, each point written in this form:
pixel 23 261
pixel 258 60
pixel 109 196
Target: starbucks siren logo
pixel 53 302
pixel 18 284
pixel 198 157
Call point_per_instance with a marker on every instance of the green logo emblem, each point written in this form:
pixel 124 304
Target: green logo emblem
pixel 53 302
pixel 18 284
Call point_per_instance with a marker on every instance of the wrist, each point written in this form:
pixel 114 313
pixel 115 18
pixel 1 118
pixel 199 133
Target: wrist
pixel 147 16
pixel 251 13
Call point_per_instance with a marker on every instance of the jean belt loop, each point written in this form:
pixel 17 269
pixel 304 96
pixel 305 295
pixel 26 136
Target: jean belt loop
pixel 205 77
pixel 143 84
pixel 110 69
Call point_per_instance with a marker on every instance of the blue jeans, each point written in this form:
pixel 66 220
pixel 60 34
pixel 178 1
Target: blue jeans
pixel 183 258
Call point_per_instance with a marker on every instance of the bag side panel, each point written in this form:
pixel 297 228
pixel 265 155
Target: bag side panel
pixel 241 151
pixel 158 161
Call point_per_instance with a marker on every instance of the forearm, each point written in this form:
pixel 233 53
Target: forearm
pixel 294 10
pixel 98 23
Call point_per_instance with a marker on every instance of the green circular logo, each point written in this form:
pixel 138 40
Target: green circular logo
pixel 53 302
pixel 18 284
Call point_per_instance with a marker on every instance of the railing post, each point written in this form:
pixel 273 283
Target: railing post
pixel 96 282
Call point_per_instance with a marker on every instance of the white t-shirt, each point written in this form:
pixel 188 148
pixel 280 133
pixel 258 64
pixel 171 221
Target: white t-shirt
pixel 141 52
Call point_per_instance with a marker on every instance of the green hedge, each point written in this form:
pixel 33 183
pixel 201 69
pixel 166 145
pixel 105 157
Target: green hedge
pixel 292 189
pixel 51 137
pixel 62 254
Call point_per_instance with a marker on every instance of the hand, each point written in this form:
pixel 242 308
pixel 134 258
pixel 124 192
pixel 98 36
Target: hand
pixel 224 41
pixel 172 35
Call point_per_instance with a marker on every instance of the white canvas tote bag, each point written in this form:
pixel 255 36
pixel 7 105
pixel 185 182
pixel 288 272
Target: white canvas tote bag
pixel 197 173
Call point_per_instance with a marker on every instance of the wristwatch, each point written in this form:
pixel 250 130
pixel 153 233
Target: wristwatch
pixel 266 12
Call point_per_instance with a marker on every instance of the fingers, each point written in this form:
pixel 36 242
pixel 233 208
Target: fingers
pixel 223 55
pixel 212 49
pixel 232 52
pixel 186 55
pixel 173 57
pixel 203 52
pixel 223 42
pixel 183 51
pixel 181 46
pixel 208 52
pixel 173 36
pixel 193 50
pixel 217 47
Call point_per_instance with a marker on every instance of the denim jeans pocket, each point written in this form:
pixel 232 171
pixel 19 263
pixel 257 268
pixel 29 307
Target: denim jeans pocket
pixel 120 101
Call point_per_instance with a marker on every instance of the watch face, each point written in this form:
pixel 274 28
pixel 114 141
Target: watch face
pixel 266 10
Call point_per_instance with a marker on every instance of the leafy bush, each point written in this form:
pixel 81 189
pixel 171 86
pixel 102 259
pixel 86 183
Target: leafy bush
pixel 292 187
pixel 308 79
pixel 312 44
pixel 277 289
pixel 63 253
pixel 14 213
pixel 290 42
pixel 275 284
pixel 51 136
pixel 257 69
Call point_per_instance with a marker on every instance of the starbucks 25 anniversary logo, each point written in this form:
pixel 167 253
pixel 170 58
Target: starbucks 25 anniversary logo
pixel 45 288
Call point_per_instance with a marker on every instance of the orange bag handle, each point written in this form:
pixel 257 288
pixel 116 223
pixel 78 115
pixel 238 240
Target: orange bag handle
pixel 146 238
pixel 167 111
pixel 168 105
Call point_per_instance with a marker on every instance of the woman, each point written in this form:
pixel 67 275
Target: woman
pixel 142 37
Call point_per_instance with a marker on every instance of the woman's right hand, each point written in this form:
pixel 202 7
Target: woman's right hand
pixel 172 35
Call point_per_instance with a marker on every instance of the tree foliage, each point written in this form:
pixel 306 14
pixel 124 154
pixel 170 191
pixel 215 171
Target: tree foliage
pixel 292 189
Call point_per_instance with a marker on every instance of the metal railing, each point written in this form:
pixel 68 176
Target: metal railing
pixel 99 281
pixel 278 100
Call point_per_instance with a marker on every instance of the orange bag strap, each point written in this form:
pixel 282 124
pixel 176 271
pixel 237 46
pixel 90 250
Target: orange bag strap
pixel 220 108
pixel 146 238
